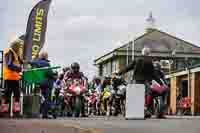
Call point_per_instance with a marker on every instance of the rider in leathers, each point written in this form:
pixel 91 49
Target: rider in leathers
pixel 106 89
pixel 74 73
pixel 97 85
pixel 116 82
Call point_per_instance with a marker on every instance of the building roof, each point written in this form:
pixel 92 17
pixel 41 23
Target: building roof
pixel 164 40
pixel 195 48
pixel 193 45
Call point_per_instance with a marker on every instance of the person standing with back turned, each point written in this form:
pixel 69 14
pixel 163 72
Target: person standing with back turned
pixel 143 69
pixel 47 84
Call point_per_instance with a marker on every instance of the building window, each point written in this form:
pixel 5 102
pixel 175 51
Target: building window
pixel 184 88
pixel 104 70
pixel 107 69
pixel 114 67
pixel 100 70
pixel 180 65
pixel 129 53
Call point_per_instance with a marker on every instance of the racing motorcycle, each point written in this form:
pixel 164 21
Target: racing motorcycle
pixel 57 102
pixel 92 103
pixel 65 105
pixel 75 96
pixel 103 102
pixel 61 103
pixel 157 91
pixel 99 106
pixel 118 100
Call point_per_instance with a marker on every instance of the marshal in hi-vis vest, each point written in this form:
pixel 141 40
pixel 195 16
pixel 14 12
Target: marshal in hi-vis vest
pixel 9 74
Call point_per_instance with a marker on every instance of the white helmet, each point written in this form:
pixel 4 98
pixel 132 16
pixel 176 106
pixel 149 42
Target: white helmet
pixel 146 51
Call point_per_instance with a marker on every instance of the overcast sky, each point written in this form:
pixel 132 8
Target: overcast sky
pixel 81 30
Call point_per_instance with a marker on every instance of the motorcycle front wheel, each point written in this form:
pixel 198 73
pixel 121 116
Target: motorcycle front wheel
pixel 77 106
pixel 123 107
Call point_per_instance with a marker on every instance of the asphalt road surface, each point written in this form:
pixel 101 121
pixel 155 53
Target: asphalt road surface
pixel 100 125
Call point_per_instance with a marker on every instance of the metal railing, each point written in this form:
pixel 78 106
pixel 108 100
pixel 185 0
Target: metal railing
pixel 28 89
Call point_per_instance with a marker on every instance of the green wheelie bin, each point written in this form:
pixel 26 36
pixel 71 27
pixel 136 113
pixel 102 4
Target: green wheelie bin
pixel 31 78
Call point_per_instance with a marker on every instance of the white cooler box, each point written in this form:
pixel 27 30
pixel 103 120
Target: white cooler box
pixel 135 101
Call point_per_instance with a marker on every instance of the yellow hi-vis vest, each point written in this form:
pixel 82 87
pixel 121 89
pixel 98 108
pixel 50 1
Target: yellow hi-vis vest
pixel 9 74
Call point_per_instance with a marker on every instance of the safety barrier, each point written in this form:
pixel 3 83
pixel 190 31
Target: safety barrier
pixel 26 96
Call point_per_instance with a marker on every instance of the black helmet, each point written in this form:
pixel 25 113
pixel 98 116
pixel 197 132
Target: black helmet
pixel 97 79
pixel 75 66
pixel 61 76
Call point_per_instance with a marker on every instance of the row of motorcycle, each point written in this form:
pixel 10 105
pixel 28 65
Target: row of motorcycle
pixel 77 100
pixel 110 102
